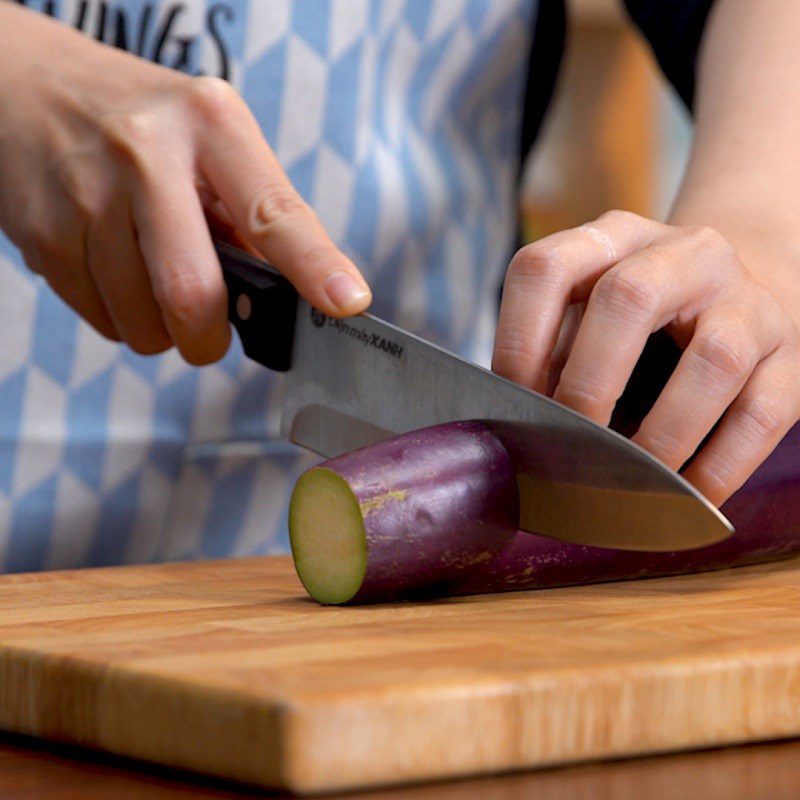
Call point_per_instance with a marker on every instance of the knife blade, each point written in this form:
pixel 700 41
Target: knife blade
pixel 354 381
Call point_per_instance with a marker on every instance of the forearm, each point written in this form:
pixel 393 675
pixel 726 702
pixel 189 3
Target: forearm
pixel 744 173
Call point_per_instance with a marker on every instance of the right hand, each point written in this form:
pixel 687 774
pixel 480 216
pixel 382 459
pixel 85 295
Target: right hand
pixel 108 166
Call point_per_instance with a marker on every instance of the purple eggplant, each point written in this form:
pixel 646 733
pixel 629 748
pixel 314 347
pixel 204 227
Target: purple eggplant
pixel 434 513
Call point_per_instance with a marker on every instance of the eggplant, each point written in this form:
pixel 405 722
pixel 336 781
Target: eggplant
pixel 404 515
pixel 434 512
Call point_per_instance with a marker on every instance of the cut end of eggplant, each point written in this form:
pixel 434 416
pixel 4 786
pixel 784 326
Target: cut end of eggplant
pixel 327 536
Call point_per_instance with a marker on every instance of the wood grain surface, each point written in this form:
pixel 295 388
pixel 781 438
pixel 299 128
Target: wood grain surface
pixel 228 669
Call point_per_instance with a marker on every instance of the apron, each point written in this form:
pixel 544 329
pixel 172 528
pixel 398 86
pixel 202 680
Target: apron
pixel 399 123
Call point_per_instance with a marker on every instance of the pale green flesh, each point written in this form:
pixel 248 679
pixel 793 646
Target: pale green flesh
pixel 327 535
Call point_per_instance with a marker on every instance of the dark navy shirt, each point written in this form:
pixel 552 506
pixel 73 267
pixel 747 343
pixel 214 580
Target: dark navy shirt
pixel 673 28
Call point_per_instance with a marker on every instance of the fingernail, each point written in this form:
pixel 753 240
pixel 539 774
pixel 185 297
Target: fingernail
pixel 345 292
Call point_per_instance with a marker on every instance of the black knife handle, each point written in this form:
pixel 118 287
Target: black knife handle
pixel 262 306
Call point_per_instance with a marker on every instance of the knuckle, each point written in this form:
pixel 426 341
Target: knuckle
pixel 720 355
pixel 589 396
pixel 627 291
pixel 707 238
pixel 274 204
pixel 514 353
pixel 130 134
pixel 212 99
pixel 763 417
pixel 537 262
pixel 663 444
pixel 185 296
pixel 716 474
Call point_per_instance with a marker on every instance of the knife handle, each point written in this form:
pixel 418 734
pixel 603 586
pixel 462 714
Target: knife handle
pixel 262 306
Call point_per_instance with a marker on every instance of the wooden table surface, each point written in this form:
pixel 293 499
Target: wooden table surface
pixel 32 770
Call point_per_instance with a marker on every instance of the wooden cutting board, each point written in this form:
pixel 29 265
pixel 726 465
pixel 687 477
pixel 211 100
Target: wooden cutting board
pixel 227 668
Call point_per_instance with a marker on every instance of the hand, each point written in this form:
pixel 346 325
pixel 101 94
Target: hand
pixel 107 166
pixel 741 348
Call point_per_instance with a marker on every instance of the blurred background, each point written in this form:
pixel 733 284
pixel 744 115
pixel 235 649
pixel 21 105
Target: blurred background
pixel 616 136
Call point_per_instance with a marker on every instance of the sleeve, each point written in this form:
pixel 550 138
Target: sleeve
pixel 674 29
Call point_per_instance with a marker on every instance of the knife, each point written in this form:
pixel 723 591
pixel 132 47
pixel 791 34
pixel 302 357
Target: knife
pixel 355 381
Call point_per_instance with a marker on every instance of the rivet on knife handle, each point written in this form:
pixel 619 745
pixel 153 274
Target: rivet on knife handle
pixel 262 306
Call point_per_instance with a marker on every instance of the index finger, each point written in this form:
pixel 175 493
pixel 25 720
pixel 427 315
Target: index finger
pixel 545 277
pixel 267 210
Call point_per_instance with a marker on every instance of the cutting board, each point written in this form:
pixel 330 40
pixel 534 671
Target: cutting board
pixel 227 668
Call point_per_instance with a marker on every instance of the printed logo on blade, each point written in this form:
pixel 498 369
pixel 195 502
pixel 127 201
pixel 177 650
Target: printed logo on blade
pixel 365 337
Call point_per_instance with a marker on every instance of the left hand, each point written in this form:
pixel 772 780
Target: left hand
pixel 741 359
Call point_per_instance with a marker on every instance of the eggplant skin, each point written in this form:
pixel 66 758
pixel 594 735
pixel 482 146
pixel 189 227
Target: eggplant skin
pixel 765 513
pixel 435 502
pixel 440 511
